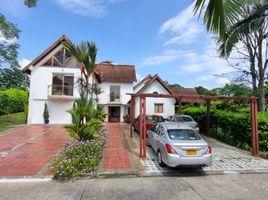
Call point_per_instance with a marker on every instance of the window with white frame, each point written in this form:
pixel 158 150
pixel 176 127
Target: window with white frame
pixel 114 93
pixel 62 84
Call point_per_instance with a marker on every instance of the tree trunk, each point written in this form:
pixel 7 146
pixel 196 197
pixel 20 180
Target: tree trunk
pixel 261 93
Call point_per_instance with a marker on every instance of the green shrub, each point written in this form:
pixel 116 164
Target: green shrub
pixel 79 159
pixel 232 127
pixel 13 101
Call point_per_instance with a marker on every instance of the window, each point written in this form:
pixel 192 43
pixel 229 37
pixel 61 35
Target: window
pixel 63 58
pixel 158 108
pixel 183 134
pixel 114 93
pixel 62 84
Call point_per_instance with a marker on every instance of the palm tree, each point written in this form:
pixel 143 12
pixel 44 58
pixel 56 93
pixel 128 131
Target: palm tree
pixel 240 20
pixel 219 14
pixel 85 53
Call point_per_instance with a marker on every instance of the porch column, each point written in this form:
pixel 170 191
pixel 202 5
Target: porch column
pixel 254 127
pixel 144 127
pixel 132 113
pixel 141 126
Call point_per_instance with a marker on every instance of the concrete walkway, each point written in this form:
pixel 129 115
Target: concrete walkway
pixel 218 187
pixel 26 151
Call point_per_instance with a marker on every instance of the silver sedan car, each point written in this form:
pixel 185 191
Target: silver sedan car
pixel 184 119
pixel 179 145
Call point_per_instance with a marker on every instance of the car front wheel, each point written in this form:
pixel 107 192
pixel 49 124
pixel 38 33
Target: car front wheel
pixel 159 159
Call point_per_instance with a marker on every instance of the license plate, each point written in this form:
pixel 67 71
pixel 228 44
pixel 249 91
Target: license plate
pixel 191 152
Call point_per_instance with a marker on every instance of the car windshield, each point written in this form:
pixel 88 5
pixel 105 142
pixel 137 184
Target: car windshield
pixel 155 119
pixel 184 119
pixel 183 134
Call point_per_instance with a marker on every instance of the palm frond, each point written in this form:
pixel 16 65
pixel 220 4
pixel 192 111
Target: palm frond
pixel 218 14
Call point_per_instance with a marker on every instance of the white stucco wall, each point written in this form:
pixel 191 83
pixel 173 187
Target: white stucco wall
pixel 124 89
pixel 40 79
pixel 168 104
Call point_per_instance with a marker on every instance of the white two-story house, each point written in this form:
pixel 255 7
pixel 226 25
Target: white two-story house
pixel 53 80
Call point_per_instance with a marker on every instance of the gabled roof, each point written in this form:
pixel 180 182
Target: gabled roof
pixel 150 80
pixel 116 73
pixel 63 38
pixel 186 92
pixel 105 71
pixel 143 81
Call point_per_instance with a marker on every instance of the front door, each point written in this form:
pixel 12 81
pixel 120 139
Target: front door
pixel 114 114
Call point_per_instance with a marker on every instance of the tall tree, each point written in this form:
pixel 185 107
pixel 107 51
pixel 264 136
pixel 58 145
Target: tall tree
pixel 85 53
pixel 236 21
pixel 9 33
pixel 13 78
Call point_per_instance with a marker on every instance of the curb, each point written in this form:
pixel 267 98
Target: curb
pixel 117 174
pixel 24 180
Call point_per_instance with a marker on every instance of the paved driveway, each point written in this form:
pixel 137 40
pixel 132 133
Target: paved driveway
pixel 26 151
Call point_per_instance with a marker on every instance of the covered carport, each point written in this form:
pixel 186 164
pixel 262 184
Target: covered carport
pixel 252 101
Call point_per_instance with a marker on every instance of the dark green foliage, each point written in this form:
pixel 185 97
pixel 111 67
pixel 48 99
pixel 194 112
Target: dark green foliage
pixel 240 90
pixel 13 78
pixel 46 113
pixel 87 119
pixel 8 50
pixel 13 101
pixel 10 33
pixel 232 127
pixel 31 3
pixel 204 91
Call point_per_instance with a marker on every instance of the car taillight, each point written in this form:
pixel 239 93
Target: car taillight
pixel 170 150
pixel 209 150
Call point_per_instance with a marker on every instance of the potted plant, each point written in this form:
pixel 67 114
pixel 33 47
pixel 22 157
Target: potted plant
pixel 46 114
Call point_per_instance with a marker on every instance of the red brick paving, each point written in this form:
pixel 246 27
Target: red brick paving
pixel 27 150
pixel 116 155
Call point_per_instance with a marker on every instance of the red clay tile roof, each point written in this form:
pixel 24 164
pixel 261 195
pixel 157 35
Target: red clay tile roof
pixel 188 92
pixel 116 73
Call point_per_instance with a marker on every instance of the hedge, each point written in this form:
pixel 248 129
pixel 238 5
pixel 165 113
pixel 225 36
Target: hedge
pixel 232 127
pixel 13 101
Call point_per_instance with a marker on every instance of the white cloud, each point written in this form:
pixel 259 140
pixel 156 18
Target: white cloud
pixel 167 56
pixel 183 28
pixel 87 8
pixel 15 8
pixel 9 41
pixel 177 23
pixel 139 77
pixel 23 62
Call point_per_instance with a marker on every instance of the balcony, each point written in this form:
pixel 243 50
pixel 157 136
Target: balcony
pixel 63 92
pixel 116 99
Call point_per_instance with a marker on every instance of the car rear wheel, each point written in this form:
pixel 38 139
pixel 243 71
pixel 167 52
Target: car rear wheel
pixel 159 159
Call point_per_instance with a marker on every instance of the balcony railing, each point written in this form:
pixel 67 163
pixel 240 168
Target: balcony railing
pixel 114 98
pixel 60 91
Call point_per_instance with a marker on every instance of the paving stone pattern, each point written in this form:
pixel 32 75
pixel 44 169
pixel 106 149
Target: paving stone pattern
pixel 226 159
pixel 26 151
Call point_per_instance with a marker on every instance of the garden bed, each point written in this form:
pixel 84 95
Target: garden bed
pixel 79 159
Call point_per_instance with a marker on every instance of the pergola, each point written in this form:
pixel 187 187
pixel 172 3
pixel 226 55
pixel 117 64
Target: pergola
pixel 208 99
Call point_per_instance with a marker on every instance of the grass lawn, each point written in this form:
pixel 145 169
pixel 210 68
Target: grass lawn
pixel 8 121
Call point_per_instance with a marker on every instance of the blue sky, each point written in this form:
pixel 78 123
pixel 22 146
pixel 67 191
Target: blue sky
pixel 157 36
